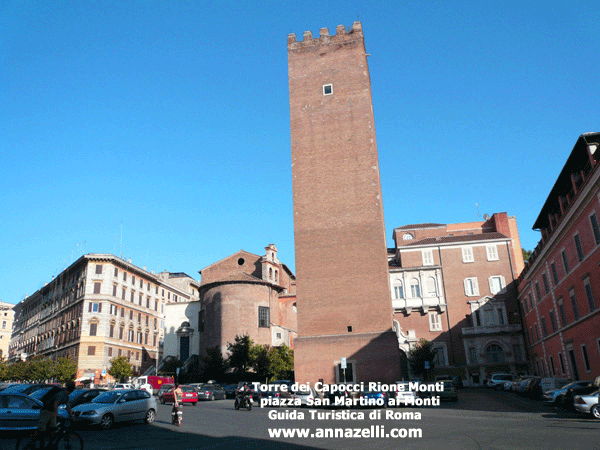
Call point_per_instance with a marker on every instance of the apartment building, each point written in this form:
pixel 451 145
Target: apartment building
pixel 6 322
pixel 100 307
pixel 454 285
pixel 559 290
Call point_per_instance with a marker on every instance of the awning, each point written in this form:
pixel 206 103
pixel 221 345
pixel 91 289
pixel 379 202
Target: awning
pixel 87 376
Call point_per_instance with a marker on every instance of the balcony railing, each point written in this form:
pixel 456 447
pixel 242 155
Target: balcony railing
pixel 492 329
pixel 420 303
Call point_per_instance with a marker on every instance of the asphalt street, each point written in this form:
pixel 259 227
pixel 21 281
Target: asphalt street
pixel 481 419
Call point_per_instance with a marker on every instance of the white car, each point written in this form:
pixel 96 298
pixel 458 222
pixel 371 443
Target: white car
pixel 123 386
pixel 588 404
pixel 404 395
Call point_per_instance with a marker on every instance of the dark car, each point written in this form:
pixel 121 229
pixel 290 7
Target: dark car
pixel 533 388
pixel 25 388
pixel 81 396
pixel 373 399
pixel 209 392
pixel 230 390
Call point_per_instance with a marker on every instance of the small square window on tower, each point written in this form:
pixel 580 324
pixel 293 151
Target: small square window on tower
pixel 327 89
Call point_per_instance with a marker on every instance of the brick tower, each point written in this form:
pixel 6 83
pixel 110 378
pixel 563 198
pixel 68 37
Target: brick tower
pixel 344 300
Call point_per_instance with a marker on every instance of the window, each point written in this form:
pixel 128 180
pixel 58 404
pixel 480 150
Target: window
pixel 595 228
pixel 123 293
pixel 263 316
pixel 91 350
pixel 517 352
pixel 574 303
pixel 130 335
pixel 472 355
pixel 589 294
pixel 552 365
pixel 579 248
pixel 471 287
pixel 500 314
pixel 93 329
pixel 494 354
pixel 122 312
pixel 97 286
pixel 407 237
pixel 561 311
pixel 111 332
pixel 554 273
pixel 415 289
pixel 439 356
pixel 477 316
pixel 546 285
pixel 467 254
pixel 109 351
pixel 565 260
pixel 427 257
pixel 430 287
pixel 121 332
pixel 133 280
pixel 537 332
pixel 95 307
pixel 544 329
pixel 124 276
pixel 552 320
pixel 345 375
pixel 435 321
pixel 114 290
pixel 98 269
pixel 492 252
pixel 538 292
pixel 116 272
pixel 586 360
pixel 132 297
pixel 398 290
pixel 562 363
pixel 327 89
pixel 4 324
pixel 497 284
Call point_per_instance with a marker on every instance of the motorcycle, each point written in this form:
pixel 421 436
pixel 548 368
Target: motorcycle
pixel 176 415
pixel 243 401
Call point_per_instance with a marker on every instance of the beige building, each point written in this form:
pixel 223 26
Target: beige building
pixel 100 307
pixel 6 321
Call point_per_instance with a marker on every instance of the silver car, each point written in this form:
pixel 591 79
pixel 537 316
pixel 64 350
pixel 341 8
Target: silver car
pixel 588 404
pixel 117 406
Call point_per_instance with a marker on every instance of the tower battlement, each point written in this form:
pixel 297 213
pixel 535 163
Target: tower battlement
pixel 324 38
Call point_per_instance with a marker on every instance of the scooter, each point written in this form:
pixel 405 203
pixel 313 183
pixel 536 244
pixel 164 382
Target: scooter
pixel 243 401
pixel 176 415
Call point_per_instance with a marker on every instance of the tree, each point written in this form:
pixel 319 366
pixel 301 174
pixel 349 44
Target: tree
pixel 65 370
pixel 3 369
pixel 40 369
pixel 18 371
pixel 421 353
pixel 260 361
pixel 281 363
pixel 120 368
pixel 526 254
pixel 170 366
pixel 213 364
pixel 240 357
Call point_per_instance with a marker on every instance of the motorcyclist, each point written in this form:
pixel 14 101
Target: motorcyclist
pixel 243 391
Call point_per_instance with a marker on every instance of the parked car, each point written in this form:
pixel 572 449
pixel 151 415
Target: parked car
pixel 188 395
pixel 25 388
pixel 498 379
pixel 404 395
pixel 533 388
pixel 123 386
pixel 306 396
pixel 209 392
pixel 551 384
pixel 374 399
pixel 117 406
pixel 565 395
pixel 588 404
pixel 19 412
pixel 81 396
pixel 449 392
pixel 520 387
pixel 230 390
pixel 164 388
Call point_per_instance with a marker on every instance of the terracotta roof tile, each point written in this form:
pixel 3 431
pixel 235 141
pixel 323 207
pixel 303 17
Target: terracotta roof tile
pixel 452 239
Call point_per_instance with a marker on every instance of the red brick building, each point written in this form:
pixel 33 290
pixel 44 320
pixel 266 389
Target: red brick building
pixel 344 304
pixel 247 294
pixel 559 290
pixel 454 285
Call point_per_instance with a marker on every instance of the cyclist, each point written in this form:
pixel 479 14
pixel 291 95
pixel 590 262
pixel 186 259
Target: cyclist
pixel 51 401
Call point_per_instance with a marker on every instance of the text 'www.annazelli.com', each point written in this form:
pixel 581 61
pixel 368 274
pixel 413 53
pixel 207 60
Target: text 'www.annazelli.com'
pixel 372 432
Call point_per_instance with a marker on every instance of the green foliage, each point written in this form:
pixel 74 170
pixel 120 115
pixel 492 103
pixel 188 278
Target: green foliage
pixel 268 363
pixel 281 363
pixel 120 368
pixel 419 354
pixel 170 366
pixel 65 370
pixel 18 371
pixel 240 357
pixel 213 364
pixel 40 369
pixel 526 254
pixel 3 370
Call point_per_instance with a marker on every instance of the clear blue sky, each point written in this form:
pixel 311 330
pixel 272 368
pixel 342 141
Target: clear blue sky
pixel 170 121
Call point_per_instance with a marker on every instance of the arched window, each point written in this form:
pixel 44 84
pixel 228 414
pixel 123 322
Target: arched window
pixel 430 286
pixel 494 354
pixel 270 273
pixel 276 275
pixel 415 289
pixel 398 289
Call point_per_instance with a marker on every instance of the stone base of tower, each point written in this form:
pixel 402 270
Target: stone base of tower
pixel 369 357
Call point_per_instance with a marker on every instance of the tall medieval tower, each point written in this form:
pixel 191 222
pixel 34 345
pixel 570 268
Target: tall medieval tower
pixel 344 299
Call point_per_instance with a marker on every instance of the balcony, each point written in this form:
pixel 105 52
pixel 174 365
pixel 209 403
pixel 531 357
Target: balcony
pixel 421 304
pixel 492 329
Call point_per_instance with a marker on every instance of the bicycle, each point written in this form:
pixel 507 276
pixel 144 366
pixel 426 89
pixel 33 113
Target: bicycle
pixel 62 438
